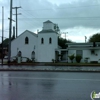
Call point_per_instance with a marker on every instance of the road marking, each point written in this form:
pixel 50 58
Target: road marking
pixel 63 79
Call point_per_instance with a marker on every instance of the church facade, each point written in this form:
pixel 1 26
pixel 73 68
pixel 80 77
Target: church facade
pixel 41 47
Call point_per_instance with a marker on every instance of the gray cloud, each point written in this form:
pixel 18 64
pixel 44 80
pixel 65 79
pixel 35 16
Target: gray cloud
pixel 80 14
pixel 67 14
pixel 77 13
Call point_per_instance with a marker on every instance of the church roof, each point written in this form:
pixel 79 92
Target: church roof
pixel 48 21
pixel 28 32
pixel 31 33
pixel 48 31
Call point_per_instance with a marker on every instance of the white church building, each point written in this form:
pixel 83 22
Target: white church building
pixel 42 46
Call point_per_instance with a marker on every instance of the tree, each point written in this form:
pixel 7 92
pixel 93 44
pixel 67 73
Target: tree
pixel 95 38
pixel 62 42
pixel 6 41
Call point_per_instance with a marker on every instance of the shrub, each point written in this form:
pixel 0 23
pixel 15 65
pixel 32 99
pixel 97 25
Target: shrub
pixel 94 62
pixel 14 61
pixel 28 60
pixel 72 57
pixel 53 60
pixel 78 58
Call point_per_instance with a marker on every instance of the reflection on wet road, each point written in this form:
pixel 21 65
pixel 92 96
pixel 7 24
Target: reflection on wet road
pixel 48 85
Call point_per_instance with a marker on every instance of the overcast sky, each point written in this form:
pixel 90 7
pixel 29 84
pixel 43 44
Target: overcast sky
pixel 77 18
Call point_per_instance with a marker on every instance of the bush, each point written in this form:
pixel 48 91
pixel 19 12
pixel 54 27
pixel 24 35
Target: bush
pixel 72 57
pixel 78 58
pixel 94 62
pixel 28 60
pixel 53 60
pixel 14 61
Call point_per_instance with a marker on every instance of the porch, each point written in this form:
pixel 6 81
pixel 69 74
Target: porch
pixel 61 55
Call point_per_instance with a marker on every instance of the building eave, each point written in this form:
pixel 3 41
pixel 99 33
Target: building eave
pixel 47 31
pixel 48 21
pixel 82 48
pixel 88 43
pixel 24 32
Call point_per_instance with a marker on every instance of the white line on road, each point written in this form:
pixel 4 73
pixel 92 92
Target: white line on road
pixel 63 79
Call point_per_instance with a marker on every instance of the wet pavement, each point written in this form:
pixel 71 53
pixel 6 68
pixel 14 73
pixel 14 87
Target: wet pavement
pixel 48 85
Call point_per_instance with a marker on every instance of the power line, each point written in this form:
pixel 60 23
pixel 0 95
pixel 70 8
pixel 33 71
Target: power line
pixel 72 18
pixel 97 17
pixel 27 13
pixel 27 20
pixel 66 7
pixel 63 8
pixel 31 14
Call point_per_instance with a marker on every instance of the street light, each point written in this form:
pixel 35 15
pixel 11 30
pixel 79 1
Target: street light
pixel 11 19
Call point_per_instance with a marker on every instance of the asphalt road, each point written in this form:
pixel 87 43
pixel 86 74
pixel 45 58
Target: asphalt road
pixel 48 85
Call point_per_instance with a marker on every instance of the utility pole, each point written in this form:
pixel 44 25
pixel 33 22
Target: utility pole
pixel 65 34
pixel 85 39
pixel 10 30
pixel 16 8
pixel 2 31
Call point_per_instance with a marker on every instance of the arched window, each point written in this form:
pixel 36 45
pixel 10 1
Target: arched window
pixel 42 41
pixel 50 40
pixel 26 40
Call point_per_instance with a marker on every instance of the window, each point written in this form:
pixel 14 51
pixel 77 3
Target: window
pixel 50 40
pixel 79 52
pixel 92 52
pixel 26 40
pixel 42 41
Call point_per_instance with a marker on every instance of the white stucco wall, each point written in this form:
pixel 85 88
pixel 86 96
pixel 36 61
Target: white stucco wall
pixel 19 45
pixel 86 54
pixel 46 51
pixel 48 26
pixel 93 57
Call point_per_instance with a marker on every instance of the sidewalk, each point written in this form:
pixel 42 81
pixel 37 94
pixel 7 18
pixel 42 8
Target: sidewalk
pixel 50 68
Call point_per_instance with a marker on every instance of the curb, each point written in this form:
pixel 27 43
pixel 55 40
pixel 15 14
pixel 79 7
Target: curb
pixel 45 70
pixel 52 64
